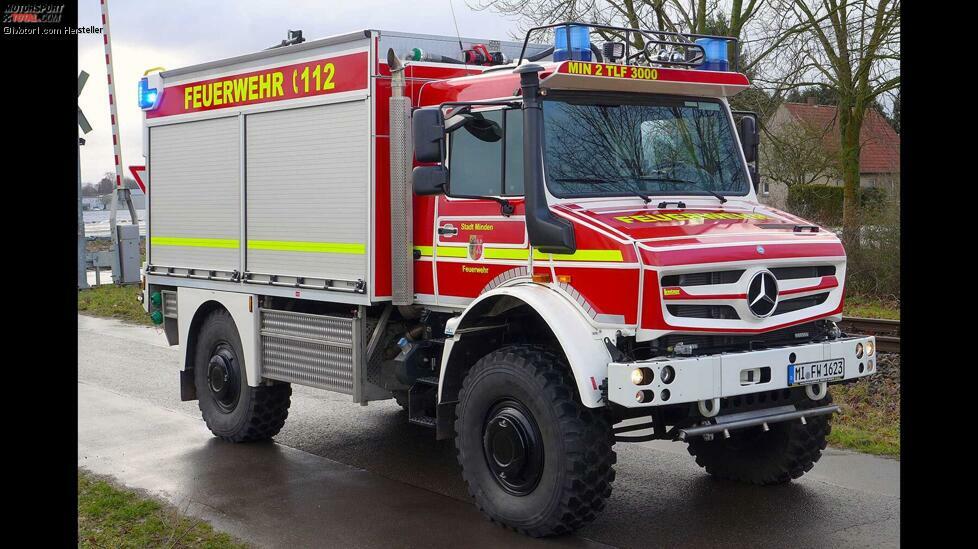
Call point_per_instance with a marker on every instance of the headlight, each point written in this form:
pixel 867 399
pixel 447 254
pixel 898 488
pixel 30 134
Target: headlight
pixel 870 348
pixel 859 350
pixel 642 376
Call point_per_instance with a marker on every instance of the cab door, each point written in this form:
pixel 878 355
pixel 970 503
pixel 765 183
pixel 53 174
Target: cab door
pixel 481 241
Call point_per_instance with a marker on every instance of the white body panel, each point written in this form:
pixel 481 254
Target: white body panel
pixel 189 301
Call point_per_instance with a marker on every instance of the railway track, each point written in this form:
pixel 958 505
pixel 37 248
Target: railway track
pixel 887 332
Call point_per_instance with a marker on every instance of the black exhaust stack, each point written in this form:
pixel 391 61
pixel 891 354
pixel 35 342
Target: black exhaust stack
pixel 547 232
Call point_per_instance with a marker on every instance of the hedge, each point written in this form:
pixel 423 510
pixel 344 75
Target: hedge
pixel 823 203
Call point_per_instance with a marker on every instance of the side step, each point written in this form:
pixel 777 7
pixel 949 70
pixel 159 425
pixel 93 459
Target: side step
pixel 752 419
pixel 421 402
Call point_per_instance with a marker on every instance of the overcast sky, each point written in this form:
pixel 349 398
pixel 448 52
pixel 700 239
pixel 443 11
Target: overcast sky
pixel 177 33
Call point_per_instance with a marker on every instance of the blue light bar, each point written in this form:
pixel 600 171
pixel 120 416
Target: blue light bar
pixel 580 43
pixel 148 97
pixel 716 55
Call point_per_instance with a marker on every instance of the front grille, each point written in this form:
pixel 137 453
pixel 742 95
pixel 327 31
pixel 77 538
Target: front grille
pixel 813 271
pixel 799 303
pixel 710 344
pixel 702 279
pixel 703 311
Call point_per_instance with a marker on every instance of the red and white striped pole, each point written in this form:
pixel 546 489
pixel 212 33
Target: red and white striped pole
pixel 116 140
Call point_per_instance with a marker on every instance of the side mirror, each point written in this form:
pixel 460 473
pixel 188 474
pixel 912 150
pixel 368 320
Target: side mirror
pixel 429 180
pixel 429 134
pixel 749 137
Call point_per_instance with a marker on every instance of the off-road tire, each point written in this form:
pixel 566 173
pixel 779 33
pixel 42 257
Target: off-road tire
pixel 788 451
pixel 577 457
pixel 259 412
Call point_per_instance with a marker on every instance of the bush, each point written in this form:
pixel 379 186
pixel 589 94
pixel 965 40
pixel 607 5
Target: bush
pixel 823 203
pixel 873 268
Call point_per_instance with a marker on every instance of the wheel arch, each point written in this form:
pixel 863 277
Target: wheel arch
pixel 572 333
pixel 193 306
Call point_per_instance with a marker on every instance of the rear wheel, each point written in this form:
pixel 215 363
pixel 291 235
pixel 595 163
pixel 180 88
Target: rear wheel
pixel 231 409
pixel 534 458
pixel 788 451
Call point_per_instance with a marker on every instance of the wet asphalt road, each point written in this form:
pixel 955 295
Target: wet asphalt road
pixel 361 476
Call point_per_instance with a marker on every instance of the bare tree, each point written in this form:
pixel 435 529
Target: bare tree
pixel 794 153
pixel 851 47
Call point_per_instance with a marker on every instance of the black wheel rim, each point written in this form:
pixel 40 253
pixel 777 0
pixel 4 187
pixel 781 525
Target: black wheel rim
pixel 222 377
pixel 513 447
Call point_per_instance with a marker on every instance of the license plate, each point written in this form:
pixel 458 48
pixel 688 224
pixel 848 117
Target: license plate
pixel 816 372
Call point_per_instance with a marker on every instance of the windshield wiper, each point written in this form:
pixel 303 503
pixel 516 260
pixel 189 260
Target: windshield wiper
pixel 696 184
pixel 645 198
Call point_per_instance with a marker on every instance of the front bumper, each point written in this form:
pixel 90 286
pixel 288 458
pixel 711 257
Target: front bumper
pixel 710 377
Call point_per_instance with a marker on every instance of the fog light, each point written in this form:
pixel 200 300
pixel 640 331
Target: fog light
pixel 859 350
pixel 667 374
pixel 642 376
pixel 644 396
pixel 871 365
pixel 870 348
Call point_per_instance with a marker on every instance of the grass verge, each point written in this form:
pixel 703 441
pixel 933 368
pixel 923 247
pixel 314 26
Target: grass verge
pixel 870 417
pixel 113 301
pixel 112 517
pixel 867 307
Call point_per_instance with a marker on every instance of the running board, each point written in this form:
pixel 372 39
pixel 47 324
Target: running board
pixel 753 419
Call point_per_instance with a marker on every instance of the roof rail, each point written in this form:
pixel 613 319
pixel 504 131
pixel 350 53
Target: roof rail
pixel 690 53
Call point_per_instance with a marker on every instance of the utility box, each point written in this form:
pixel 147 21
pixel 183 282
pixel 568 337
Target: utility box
pixel 128 238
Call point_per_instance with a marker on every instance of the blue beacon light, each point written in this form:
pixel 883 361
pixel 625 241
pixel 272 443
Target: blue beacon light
pixel 147 95
pixel 580 43
pixel 716 55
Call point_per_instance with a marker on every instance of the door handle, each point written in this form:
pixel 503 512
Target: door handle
pixel 447 230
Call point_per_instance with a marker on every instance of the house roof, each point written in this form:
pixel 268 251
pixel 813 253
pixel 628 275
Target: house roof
pixel 880 151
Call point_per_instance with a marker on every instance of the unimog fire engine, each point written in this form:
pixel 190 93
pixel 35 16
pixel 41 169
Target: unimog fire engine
pixel 537 250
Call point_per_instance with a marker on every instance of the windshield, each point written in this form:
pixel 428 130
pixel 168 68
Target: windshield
pixel 642 145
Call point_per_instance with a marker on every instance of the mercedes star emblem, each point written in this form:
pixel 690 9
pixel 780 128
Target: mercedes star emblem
pixel 762 294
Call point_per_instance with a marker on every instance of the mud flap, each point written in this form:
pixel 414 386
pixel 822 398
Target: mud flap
pixel 445 420
pixel 188 391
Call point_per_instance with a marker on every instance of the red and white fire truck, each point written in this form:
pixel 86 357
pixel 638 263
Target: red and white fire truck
pixel 537 250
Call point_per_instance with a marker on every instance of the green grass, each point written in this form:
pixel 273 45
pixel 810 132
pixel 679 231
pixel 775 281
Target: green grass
pixel 113 301
pixel 870 418
pixel 112 517
pixel 865 307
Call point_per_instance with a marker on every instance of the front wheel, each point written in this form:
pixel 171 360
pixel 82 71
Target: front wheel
pixel 788 451
pixel 534 458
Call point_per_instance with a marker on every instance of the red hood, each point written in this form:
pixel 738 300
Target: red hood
pixel 671 224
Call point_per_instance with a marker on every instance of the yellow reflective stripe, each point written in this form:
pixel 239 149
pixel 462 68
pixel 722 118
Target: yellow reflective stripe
pixel 194 242
pixel 518 254
pixel 449 251
pixel 313 247
pixel 583 255
pixel 506 253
